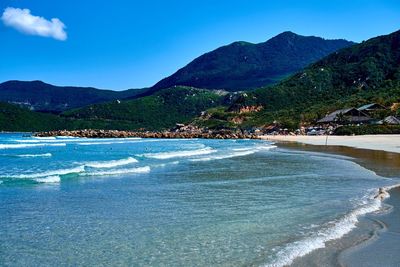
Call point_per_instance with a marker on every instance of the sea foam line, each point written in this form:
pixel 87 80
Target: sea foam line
pixel 238 152
pixel 179 154
pixel 49 179
pixel 145 169
pixel 113 142
pixel 34 155
pixel 12 146
pixel 340 227
pixel 59 172
pixel 111 163
pixel 232 155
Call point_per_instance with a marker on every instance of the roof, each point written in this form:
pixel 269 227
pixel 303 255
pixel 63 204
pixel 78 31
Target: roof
pixel 349 113
pixel 391 120
pixel 371 106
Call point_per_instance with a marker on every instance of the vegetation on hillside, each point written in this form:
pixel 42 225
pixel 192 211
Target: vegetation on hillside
pixel 243 65
pixel 41 96
pixel 159 111
pixel 364 73
pixel 357 75
pixel 14 118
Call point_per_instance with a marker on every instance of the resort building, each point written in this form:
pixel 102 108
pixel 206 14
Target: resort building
pixel 371 108
pixel 392 120
pixel 346 116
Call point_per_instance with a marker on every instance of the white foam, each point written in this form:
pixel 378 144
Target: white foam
pixel 111 142
pixel 111 163
pixel 241 149
pixel 35 155
pixel 334 230
pixel 145 169
pixel 99 143
pixel 239 152
pixel 226 156
pixel 179 154
pixel 59 172
pixel 49 179
pixel 11 146
pixel 44 138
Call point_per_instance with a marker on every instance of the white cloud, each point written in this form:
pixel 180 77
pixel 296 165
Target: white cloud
pixel 23 21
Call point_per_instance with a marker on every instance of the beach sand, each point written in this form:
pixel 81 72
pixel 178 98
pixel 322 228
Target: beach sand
pixel 380 246
pixel 389 143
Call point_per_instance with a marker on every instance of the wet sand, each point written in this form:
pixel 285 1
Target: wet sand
pixel 384 248
pixel 376 240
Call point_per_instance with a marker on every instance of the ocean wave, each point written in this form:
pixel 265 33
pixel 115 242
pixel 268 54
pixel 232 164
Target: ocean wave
pixel 226 156
pixel 238 152
pixel 45 155
pixel 59 172
pixel 145 169
pixel 111 142
pixel 111 163
pixel 49 179
pixel 11 146
pixel 44 138
pixel 333 230
pixel 98 143
pixel 179 154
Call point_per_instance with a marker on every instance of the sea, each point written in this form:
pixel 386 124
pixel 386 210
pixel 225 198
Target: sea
pixel 173 202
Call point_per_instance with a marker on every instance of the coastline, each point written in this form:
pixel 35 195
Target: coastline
pixel 377 236
pixel 388 143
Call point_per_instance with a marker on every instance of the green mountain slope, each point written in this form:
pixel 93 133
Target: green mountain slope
pixel 41 96
pixel 159 111
pixel 243 65
pixel 14 118
pixel 367 72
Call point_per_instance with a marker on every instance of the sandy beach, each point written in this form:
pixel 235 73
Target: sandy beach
pixel 389 143
pixel 381 154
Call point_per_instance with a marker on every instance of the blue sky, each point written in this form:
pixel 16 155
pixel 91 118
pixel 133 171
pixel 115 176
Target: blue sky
pixel 125 44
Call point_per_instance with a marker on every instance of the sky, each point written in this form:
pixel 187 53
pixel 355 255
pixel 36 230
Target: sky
pixel 124 44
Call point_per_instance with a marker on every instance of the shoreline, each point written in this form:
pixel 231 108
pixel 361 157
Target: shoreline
pixel 388 143
pixel 381 161
pixel 190 133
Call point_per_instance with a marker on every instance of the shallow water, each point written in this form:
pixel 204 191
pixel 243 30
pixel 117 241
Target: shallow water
pixel 73 201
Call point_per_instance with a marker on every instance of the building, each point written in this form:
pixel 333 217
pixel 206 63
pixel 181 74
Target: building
pixel 346 116
pixel 371 108
pixel 392 120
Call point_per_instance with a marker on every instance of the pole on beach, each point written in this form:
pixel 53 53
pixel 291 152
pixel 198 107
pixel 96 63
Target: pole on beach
pixel 326 140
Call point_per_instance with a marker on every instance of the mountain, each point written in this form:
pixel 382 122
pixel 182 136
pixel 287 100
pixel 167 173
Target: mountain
pixel 243 65
pixel 41 96
pixel 15 118
pixel 161 110
pixel 364 73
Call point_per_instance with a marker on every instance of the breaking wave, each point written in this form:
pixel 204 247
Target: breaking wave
pixel 45 155
pixel 11 146
pixel 179 154
pixel 111 163
pixel 50 179
pixel 232 155
pixel 238 152
pixel 145 169
pixel 59 172
pixel 333 230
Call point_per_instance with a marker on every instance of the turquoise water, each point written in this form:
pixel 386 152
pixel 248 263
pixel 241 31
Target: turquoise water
pixel 153 202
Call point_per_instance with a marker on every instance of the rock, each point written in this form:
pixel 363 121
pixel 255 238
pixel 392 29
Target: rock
pixel 382 194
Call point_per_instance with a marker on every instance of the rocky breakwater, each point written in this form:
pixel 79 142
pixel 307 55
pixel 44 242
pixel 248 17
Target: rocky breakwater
pixel 179 132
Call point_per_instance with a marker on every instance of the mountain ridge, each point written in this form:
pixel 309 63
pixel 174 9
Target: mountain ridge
pixel 41 96
pixel 243 65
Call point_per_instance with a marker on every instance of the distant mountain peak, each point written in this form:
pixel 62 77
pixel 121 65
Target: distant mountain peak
pixel 243 65
pixel 287 34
